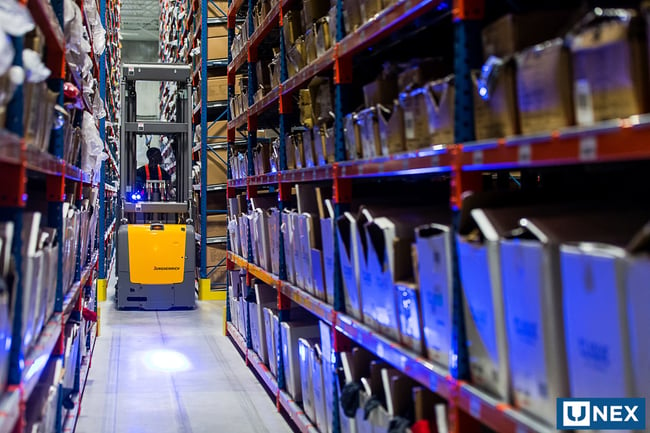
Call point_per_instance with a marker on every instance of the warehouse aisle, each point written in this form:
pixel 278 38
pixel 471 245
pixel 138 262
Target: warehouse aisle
pixel 172 372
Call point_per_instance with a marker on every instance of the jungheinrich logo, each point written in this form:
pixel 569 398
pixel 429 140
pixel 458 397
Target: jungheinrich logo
pixel 601 413
pixel 166 268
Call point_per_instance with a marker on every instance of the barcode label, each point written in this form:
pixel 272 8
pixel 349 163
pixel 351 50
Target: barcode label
pixel 588 148
pixel 475 407
pixel 478 157
pixel 409 125
pixel 584 103
pixel 525 154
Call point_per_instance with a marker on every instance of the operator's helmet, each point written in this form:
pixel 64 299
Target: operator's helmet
pixel 154 156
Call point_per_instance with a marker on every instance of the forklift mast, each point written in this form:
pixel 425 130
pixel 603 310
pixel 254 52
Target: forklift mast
pixel 155 237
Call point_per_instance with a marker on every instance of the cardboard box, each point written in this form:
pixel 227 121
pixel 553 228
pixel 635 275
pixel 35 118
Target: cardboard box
pixel 305 107
pixel 434 274
pixel 347 232
pixel 598 296
pixel 274 218
pixel 291 332
pixel 391 128
pixel 327 235
pixel 480 273
pixel 408 312
pixel 318 384
pixel 217 9
pixel 416 122
pixel 217 167
pixel 610 70
pixel 328 372
pixel 351 15
pixel 495 114
pixel 266 297
pixel 217 131
pixel 287 235
pixel 309 148
pixel 388 238
pixel 544 89
pixel 352 135
pixel 312 10
pixel 420 72
pixel 322 99
pixel 217 89
pixel 515 32
pixel 292 27
pixel 217 31
pixel 383 91
pixel 369 128
pixel 216 225
pixel 218 48
pixel 305 347
pixel 271 332
pixel 369 9
pixel 440 109
pixel 532 290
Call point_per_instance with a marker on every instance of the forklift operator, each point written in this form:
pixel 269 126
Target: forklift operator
pixel 152 171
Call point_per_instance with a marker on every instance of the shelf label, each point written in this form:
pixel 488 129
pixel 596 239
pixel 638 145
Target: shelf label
pixel 475 407
pixel 588 148
pixel 477 157
pixel 525 154
pixel 409 125
pixel 433 382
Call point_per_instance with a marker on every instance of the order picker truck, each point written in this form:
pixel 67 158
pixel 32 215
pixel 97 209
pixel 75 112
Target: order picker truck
pixel 155 237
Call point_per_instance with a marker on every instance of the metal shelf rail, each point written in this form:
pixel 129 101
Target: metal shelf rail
pixel 208 290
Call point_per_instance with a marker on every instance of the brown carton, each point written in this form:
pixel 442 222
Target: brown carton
pixel 292 27
pixel 513 33
pixel 496 116
pixel 215 225
pixel 351 15
pixel 217 88
pixel 217 131
pixel 440 109
pixel 544 90
pixel 610 70
pixel 419 73
pixel 416 121
pixel 217 9
pixel 217 167
pixel 217 47
pixel 381 91
pixel 391 128
pixel 305 107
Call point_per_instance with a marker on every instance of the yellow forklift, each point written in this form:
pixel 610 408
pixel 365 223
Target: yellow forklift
pixel 155 237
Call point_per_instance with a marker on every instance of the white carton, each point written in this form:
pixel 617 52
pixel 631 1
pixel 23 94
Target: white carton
pixel 291 332
pixel 606 337
pixel 306 242
pixel 287 234
pixel 327 234
pixel 317 275
pixel 480 272
pixel 266 297
pixel 263 241
pixel 274 239
pixel 307 379
pixel 295 249
pixel 320 405
pixel 433 244
pixel 328 373
pixel 271 339
pixel 347 234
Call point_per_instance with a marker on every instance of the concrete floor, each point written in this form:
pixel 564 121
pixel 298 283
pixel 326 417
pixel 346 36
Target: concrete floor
pixel 172 372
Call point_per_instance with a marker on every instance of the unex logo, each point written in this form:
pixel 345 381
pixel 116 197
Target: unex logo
pixel 601 413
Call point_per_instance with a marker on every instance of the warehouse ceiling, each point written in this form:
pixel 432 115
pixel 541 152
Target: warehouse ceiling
pixel 140 20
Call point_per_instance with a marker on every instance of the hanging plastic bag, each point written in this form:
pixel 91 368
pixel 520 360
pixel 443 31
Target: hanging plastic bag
pixel 97 169
pixel 35 70
pixel 15 19
pixel 98 107
pixel 92 142
pixel 7 52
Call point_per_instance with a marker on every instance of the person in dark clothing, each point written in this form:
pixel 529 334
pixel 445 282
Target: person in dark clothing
pixel 153 170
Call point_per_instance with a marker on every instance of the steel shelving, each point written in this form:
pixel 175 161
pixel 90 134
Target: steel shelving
pixel 462 161
pixel 20 166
